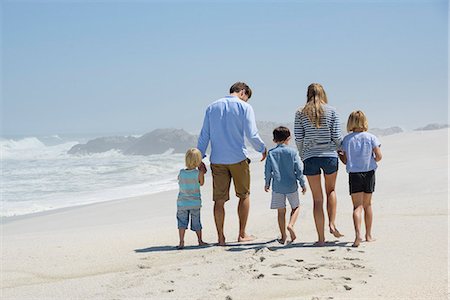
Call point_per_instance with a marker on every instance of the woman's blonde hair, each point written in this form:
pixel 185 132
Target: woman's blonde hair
pixel 193 158
pixel 314 99
pixel 357 121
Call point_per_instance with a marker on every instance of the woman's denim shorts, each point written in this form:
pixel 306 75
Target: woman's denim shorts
pixel 314 165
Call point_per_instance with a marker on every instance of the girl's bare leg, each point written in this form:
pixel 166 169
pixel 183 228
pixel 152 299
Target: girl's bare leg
pixel 368 216
pixel 319 218
pixel 330 183
pixel 357 199
pixel 282 224
pixel 292 220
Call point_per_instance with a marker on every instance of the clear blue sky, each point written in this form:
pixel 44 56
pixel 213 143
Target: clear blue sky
pixel 132 66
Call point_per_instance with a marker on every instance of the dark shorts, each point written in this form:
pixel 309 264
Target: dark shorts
pixel 314 165
pixel 362 182
pixel 222 175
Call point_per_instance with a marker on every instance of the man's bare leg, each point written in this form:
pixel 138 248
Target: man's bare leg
pixel 219 218
pixel 243 210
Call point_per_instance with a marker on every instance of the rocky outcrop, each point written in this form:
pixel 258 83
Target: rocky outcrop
pixel 433 126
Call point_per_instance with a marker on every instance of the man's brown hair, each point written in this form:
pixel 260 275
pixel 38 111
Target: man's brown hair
pixel 239 86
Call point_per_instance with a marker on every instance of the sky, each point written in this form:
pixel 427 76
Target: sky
pixel 74 67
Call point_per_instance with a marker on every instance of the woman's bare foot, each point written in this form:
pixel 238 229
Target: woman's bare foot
pixel 202 243
pixel 282 240
pixel 319 244
pixel 291 232
pixel 221 241
pixel 357 242
pixel 180 246
pixel 246 238
pixel 336 232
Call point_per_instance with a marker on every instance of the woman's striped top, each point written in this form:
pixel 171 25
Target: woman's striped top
pixel 189 194
pixel 318 142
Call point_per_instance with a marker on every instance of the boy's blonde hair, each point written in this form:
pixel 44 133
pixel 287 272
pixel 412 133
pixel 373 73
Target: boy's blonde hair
pixel 193 158
pixel 357 121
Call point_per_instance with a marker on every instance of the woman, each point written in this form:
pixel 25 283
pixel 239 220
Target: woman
pixel 318 135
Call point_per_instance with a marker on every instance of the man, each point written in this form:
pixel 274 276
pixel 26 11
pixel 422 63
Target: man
pixel 226 122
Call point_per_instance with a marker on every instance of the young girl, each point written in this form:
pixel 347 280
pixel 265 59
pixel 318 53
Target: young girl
pixel 361 152
pixel 189 200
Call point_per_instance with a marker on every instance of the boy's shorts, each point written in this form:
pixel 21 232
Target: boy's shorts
pixel 279 200
pixel 314 165
pixel 222 174
pixel 183 219
pixel 361 182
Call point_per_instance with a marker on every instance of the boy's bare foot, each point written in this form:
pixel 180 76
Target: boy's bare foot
pixel 357 242
pixel 292 233
pixel 336 232
pixel 370 238
pixel 246 238
pixel 202 243
pixel 180 246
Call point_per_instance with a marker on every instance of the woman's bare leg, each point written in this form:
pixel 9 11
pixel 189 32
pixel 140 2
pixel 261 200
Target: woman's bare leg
pixel 319 218
pixel 330 183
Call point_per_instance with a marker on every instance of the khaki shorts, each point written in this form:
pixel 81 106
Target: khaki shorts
pixel 222 174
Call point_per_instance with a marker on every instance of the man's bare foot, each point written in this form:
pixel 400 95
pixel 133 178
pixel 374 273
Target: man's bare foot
pixel 292 233
pixel 370 238
pixel 246 238
pixel 336 232
pixel 180 246
pixel 357 242
pixel 319 244
pixel 221 241
pixel 202 243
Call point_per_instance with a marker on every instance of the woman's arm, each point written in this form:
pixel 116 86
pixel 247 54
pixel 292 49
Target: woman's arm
pixel 299 132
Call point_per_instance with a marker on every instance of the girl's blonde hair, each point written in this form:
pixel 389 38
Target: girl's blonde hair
pixel 314 99
pixel 193 158
pixel 357 121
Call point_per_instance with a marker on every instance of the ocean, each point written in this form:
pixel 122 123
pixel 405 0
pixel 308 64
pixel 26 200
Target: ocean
pixel 38 174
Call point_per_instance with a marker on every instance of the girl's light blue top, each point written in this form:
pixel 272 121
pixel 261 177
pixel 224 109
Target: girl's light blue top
pixel 189 194
pixel 358 147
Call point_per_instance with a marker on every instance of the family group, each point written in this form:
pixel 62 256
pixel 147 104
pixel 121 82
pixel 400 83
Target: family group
pixel 229 121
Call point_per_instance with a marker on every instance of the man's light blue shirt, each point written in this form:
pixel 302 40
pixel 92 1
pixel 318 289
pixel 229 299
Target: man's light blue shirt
pixel 284 168
pixel 227 121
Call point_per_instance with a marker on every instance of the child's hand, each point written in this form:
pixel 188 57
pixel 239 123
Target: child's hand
pixel 304 189
pixel 266 188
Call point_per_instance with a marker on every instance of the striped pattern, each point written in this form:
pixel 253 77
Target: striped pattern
pixel 318 142
pixel 189 194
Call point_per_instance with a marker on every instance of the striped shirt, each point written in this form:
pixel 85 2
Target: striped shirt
pixel 189 194
pixel 318 142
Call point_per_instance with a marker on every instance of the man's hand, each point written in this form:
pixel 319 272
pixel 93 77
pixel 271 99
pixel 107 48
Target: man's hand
pixel 267 189
pixel 202 168
pixel 304 189
pixel 264 154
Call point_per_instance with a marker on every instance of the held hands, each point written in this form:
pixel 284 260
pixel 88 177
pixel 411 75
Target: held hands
pixel 304 189
pixel 264 155
pixel 267 189
pixel 202 168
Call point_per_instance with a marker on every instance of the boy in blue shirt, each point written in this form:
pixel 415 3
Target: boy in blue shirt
pixel 283 169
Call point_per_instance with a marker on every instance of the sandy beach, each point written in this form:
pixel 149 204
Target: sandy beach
pixel 126 248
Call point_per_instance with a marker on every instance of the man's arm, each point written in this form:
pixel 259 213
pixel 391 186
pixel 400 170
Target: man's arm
pixel 267 175
pixel 203 139
pixel 251 132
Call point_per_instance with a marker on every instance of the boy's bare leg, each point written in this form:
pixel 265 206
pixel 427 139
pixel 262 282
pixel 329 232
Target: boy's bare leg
pixel 294 215
pixel 368 216
pixel 219 218
pixel 282 224
pixel 319 218
pixel 181 232
pixel 330 183
pixel 357 199
pixel 243 210
pixel 200 240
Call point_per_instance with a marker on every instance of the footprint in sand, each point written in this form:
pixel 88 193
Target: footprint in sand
pixel 348 288
pixel 262 258
pixel 225 287
pixel 357 266
pixel 311 268
pixel 259 276
pixel 347 278
pixel 299 260
pixel 351 258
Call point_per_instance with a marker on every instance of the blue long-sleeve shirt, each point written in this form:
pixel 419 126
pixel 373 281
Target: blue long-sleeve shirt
pixel 227 121
pixel 284 168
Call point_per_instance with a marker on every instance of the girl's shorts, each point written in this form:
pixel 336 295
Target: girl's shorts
pixel 361 182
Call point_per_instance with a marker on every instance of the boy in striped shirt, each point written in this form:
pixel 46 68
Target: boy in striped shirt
pixel 189 200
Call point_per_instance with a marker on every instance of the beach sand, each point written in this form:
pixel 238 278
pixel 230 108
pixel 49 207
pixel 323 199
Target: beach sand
pixel 125 248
